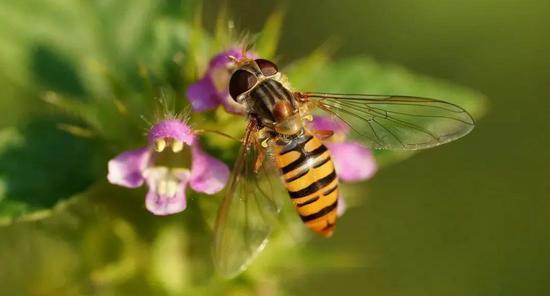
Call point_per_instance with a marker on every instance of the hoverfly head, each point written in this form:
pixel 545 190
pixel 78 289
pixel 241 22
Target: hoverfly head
pixel 248 73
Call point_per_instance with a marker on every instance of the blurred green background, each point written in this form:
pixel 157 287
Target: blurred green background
pixel 468 218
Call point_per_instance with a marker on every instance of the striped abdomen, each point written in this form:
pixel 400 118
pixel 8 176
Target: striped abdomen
pixel 311 181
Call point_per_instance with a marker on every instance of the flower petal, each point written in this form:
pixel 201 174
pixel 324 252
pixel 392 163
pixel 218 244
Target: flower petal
pixel 222 59
pixel 341 207
pixel 353 161
pixel 127 168
pixel 203 95
pixel 161 201
pixel 329 123
pixel 208 174
pixel 211 90
pixel 162 206
pixel 172 128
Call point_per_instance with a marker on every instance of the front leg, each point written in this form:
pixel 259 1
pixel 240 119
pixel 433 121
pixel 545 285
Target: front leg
pixel 259 159
pixel 262 139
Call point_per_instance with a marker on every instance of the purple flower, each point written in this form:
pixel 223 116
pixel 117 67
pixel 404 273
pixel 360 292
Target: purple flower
pixel 353 162
pixel 165 170
pixel 212 89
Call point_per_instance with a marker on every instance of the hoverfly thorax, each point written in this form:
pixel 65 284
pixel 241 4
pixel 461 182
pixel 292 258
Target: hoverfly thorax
pixel 258 85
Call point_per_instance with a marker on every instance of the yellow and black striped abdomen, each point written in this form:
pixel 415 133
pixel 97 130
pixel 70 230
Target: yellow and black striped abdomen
pixel 311 181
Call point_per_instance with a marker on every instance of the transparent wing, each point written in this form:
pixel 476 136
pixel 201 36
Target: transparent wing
pixel 396 122
pixel 248 211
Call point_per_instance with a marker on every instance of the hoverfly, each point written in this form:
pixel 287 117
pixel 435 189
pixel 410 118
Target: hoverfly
pixel 277 139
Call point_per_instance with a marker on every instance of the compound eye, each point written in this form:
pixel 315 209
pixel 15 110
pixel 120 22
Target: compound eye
pixel 240 82
pixel 268 68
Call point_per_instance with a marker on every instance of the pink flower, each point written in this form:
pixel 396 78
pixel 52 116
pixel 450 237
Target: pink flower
pixel 212 90
pixel 353 161
pixel 167 181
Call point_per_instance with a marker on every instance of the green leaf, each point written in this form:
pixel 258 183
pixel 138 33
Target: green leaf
pixel 365 76
pixel 267 42
pixel 303 72
pixel 52 71
pixel 87 50
pixel 40 167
